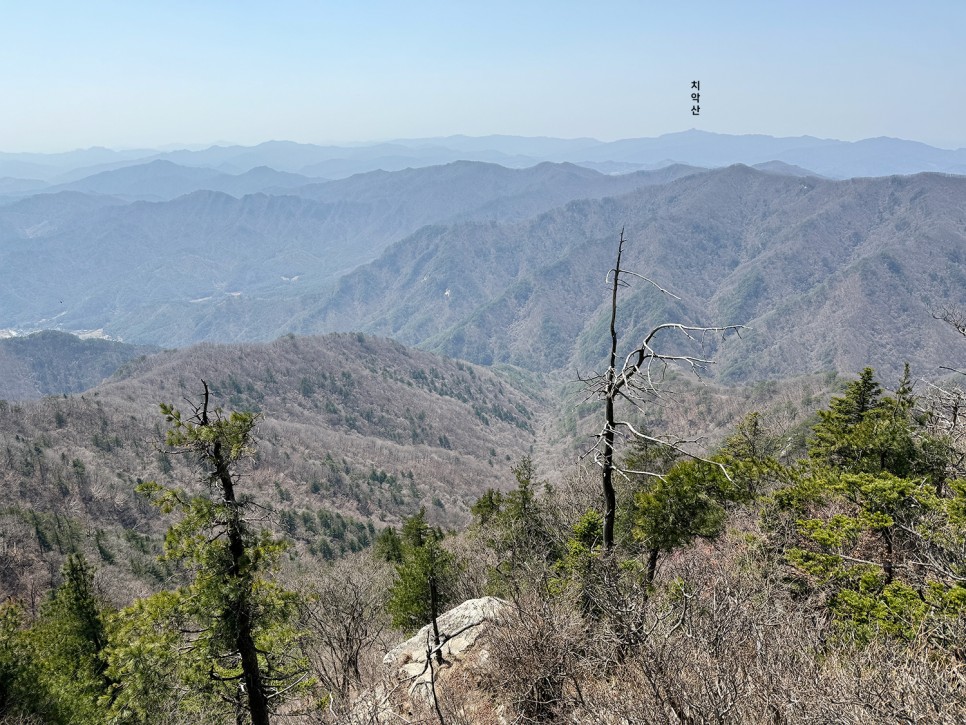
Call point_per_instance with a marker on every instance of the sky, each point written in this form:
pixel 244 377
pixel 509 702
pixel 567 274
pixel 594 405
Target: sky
pixel 140 74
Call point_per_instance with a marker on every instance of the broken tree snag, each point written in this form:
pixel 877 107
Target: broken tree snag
pixel 636 381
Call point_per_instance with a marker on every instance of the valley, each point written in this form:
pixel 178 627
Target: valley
pixel 414 345
pixel 426 274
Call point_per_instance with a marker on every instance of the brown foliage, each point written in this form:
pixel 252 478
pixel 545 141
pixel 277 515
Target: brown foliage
pixel 354 432
pixel 723 642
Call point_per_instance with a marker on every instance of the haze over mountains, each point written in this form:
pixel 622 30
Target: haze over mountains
pixel 406 336
pixel 831 275
pixel 488 263
pixel 234 267
pixel 162 180
pixel 826 157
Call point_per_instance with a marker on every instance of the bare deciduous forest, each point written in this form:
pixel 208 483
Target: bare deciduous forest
pixel 805 566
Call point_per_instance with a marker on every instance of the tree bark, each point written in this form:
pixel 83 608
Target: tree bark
pixel 652 565
pixel 242 611
pixel 610 499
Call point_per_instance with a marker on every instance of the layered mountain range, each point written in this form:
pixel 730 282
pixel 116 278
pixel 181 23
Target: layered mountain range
pixel 828 157
pixel 503 267
pixel 826 274
pixel 490 264
pixel 209 266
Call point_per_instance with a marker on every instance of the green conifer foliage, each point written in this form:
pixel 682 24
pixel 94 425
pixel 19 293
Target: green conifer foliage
pixel 864 432
pixel 580 568
pixel 13 662
pixel 686 503
pixel 517 528
pixel 424 576
pixel 869 519
pixel 388 546
pixel 487 507
pixel 55 669
pixel 226 641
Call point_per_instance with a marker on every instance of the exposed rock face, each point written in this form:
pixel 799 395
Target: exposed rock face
pixel 413 688
pixel 460 629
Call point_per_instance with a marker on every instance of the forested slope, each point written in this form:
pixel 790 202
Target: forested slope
pixel 829 275
pixel 353 432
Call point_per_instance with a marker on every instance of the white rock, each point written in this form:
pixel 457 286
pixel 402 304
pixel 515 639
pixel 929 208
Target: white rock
pixel 459 629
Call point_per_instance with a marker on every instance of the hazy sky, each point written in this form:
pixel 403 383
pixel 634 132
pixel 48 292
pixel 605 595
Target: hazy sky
pixel 138 73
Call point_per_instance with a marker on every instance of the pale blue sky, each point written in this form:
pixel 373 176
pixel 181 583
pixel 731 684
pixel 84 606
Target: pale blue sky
pixel 135 73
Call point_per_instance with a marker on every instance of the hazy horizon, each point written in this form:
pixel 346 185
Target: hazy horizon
pixel 201 146
pixel 137 75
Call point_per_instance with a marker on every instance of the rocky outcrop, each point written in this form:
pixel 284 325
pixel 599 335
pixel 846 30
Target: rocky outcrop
pixel 461 630
pixel 413 688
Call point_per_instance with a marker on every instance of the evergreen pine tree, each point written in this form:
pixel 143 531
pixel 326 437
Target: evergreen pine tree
pixel 424 577
pixel 232 626
pixel 867 518
pixel 61 667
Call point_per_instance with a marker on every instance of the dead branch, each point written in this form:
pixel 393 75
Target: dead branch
pixel 637 381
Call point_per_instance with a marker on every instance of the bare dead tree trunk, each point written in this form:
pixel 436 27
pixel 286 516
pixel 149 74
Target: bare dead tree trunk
pixel 624 383
pixel 610 499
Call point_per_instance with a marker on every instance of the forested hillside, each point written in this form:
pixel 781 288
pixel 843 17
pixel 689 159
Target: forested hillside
pixel 755 514
pixel 797 578
pixel 207 266
pixel 53 363
pixel 352 432
pixel 828 275
pixel 489 264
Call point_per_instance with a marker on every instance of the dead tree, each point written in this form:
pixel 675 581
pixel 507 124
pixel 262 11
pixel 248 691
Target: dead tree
pixel 345 612
pixel 943 407
pixel 637 381
pixel 953 316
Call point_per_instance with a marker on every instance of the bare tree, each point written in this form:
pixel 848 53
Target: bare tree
pixel 943 406
pixel 953 316
pixel 637 381
pixel 348 626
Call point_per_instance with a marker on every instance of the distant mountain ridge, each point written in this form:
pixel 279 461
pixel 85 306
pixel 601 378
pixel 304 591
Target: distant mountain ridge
pixel 492 264
pixel 162 180
pixel 57 363
pixel 210 266
pixel 826 157
pixel 831 275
